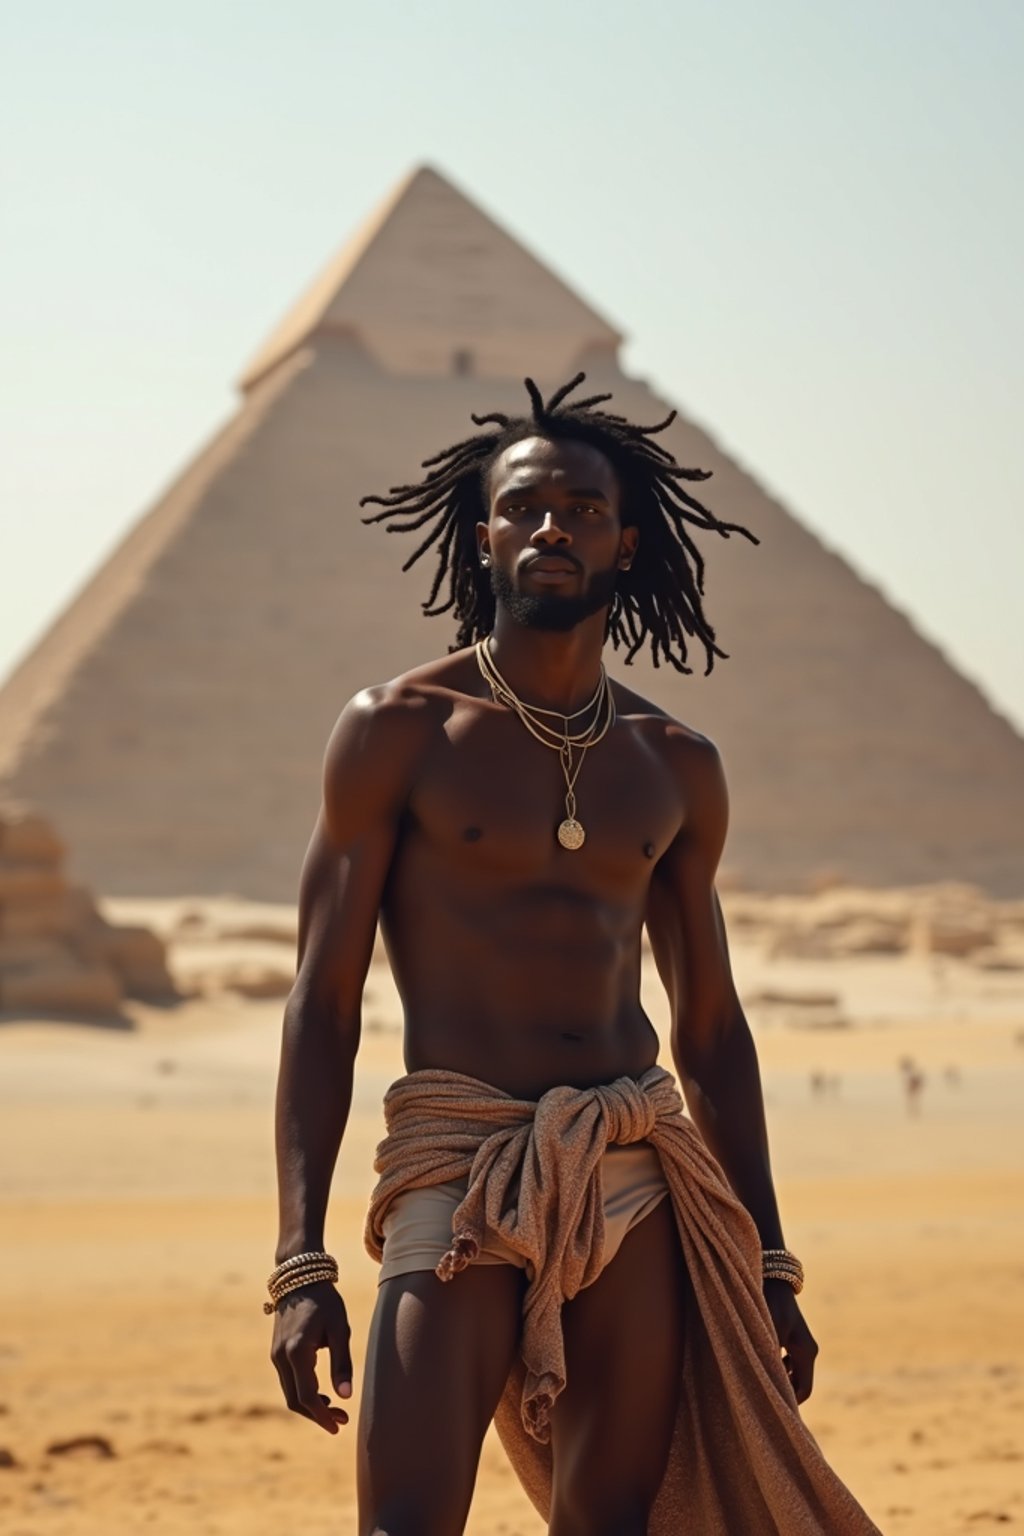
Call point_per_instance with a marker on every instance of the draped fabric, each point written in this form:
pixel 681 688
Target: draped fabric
pixel 742 1462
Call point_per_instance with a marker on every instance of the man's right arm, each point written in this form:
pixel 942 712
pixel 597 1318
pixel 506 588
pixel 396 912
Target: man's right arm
pixel 369 768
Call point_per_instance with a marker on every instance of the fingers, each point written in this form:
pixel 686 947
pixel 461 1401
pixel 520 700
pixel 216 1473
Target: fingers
pixel 302 1359
pixel 341 1358
pixel 287 1380
pixel 311 1324
pixel 295 1365
pixel 799 1361
pixel 794 1337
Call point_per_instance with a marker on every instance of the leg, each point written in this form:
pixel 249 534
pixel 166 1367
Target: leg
pixel 437 1359
pixel 612 1426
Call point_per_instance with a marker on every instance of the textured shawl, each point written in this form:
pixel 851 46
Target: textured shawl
pixel 742 1462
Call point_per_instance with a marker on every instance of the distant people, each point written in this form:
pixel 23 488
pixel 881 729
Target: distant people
pixel 825 1084
pixel 913 1086
pixel 952 1076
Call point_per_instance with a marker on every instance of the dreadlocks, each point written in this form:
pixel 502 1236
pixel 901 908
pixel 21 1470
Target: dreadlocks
pixel 658 599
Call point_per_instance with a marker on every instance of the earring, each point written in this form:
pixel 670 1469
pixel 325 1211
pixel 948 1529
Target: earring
pixel 485 559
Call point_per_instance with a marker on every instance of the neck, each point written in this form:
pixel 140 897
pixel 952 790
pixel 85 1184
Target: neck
pixel 549 669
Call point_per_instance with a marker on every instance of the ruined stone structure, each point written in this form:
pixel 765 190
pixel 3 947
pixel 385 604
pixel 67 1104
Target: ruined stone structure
pixel 58 953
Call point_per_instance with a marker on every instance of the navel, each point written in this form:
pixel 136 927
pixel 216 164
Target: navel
pixel 567 1034
pixel 472 834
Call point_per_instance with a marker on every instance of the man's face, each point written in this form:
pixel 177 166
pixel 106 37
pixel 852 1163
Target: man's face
pixel 554 542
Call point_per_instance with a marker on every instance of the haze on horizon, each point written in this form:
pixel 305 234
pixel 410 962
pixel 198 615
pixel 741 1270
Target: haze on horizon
pixel 808 223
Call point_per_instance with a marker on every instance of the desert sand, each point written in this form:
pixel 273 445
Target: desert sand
pixel 137 1203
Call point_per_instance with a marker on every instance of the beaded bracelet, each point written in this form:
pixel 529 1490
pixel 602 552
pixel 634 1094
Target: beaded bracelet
pixel 304 1273
pixel 299 1281
pixel 780 1264
pixel 787 1275
pixel 301 1269
pixel 300 1258
pixel 297 1284
pixel 781 1258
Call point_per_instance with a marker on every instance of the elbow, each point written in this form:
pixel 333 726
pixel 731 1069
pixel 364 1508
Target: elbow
pixel 705 1053
pixel 306 1017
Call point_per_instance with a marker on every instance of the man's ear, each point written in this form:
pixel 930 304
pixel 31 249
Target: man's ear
pixel 483 543
pixel 628 547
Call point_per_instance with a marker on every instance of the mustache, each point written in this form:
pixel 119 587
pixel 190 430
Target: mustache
pixel 525 565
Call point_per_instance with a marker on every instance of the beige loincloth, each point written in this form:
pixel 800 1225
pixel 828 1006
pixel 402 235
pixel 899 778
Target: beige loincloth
pixel 418 1224
pixel 741 1460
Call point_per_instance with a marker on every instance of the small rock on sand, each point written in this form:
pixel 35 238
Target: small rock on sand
pixel 92 1445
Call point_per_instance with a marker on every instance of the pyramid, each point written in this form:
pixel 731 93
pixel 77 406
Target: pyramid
pixel 173 718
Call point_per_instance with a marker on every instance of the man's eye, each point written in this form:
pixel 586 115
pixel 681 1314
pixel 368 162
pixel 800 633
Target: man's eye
pixel 585 506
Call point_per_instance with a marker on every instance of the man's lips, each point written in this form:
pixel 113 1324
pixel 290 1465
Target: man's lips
pixel 551 563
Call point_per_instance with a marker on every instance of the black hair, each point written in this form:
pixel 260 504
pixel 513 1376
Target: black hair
pixel 657 600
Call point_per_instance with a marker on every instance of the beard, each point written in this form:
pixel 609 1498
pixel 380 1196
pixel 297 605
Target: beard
pixel 554 611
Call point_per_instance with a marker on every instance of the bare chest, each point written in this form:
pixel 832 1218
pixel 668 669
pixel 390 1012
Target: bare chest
pixel 490 799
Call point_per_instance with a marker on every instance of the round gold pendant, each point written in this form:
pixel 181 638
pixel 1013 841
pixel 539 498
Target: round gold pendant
pixel 570 833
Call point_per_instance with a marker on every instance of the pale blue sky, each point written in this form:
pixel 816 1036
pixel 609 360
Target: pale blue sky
pixel 806 215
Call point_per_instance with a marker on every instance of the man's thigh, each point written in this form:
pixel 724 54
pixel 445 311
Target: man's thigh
pixel 437 1359
pixel 612 1425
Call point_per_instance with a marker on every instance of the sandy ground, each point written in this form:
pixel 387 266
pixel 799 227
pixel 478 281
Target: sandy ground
pixel 138 1216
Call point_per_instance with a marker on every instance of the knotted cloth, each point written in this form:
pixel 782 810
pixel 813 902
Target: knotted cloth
pixel 742 1462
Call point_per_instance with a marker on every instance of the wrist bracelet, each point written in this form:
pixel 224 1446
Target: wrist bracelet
pixel 780 1264
pixel 297 1259
pixel 301 1269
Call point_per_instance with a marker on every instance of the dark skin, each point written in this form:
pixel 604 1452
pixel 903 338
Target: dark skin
pixel 518 962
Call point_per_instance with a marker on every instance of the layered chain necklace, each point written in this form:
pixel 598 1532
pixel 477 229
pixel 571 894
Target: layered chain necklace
pixel 571 746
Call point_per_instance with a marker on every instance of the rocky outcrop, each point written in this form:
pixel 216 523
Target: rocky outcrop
pixel 947 920
pixel 58 953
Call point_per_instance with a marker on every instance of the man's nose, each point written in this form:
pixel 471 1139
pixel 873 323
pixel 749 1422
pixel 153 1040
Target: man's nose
pixel 548 531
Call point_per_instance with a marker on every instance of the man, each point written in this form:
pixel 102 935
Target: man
pixel 560 1246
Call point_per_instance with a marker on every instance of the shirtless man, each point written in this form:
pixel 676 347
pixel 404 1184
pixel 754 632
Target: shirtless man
pixel 518 959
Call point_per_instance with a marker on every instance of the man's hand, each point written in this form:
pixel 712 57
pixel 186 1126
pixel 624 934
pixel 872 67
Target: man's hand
pixel 307 1320
pixel 794 1336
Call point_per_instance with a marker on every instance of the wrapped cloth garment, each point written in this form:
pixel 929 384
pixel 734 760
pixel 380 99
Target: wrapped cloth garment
pixel 742 1462
pixel 418 1222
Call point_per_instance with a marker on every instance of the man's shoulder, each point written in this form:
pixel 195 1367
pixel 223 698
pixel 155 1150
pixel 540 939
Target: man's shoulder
pixel 406 706
pixel 382 735
pixel 692 760
pixel 680 743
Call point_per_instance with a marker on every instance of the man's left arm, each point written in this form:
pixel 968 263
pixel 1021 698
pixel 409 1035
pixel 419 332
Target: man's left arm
pixel 711 1041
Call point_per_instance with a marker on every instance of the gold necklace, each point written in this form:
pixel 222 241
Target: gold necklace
pixel 570 832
